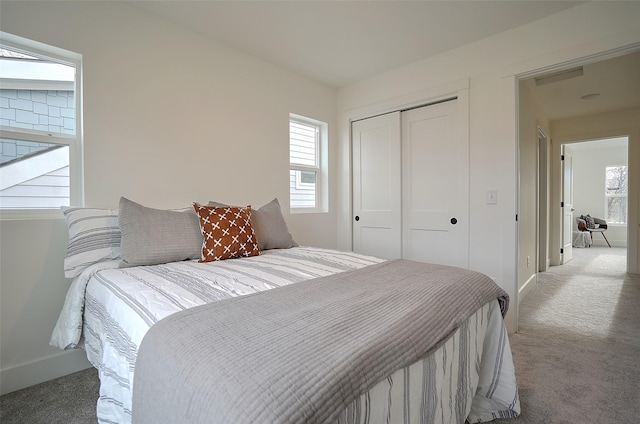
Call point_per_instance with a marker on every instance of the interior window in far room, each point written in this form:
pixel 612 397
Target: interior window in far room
pixel 616 194
pixel 307 164
pixel 40 143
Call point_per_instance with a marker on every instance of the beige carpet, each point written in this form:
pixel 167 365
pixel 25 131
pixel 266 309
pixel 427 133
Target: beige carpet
pixel 577 351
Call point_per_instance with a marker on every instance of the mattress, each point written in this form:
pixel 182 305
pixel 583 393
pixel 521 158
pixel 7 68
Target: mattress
pixel 109 310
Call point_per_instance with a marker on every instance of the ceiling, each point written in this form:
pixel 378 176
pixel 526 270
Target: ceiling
pixel 341 42
pixel 616 81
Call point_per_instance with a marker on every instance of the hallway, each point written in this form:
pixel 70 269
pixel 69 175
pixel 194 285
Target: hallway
pixel 578 342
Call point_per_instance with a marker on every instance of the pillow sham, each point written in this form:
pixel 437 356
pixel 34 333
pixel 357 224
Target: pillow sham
pixel 94 236
pixel 156 236
pixel 227 232
pixel 270 227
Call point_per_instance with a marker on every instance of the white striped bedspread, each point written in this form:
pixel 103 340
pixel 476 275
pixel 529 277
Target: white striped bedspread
pixel 470 377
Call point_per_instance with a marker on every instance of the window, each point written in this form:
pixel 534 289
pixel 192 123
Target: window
pixel 616 194
pixel 307 164
pixel 40 143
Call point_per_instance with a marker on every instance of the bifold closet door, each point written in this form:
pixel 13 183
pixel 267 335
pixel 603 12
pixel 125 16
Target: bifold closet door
pixel 376 186
pixel 435 185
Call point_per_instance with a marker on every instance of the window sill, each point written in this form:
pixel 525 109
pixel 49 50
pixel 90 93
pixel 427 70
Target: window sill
pixel 295 211
pixel 30 214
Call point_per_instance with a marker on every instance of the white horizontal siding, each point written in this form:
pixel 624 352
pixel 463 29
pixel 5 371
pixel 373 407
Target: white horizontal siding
pixel 46 191
pixel 303 144
pixel 300 198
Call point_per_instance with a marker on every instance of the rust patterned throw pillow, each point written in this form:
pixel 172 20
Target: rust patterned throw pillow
pixel 227 232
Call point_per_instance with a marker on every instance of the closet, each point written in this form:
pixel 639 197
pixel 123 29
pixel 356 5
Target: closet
pixel 411 184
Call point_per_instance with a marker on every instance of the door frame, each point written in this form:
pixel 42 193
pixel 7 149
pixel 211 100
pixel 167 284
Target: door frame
pixel 510 88
pixel 633 256
pixel 542 202
pixel 511 82
pixel 566 190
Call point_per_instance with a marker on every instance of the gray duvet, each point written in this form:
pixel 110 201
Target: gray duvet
pixel 303 352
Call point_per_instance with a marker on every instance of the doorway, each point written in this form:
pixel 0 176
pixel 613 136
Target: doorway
pixel 540 136
pixel 600 187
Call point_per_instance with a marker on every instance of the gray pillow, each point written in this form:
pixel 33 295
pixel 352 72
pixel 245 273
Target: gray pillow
pixel 156 236
pixel 269 225
pixel 590 221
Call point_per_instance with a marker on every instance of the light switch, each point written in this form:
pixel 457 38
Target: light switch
pixel 492 197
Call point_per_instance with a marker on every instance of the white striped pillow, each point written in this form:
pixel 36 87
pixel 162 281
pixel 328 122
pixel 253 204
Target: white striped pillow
pixel 94 236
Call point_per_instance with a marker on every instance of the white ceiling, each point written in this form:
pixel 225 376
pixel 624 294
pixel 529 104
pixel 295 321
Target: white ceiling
pixel 616 80
pixel 340 42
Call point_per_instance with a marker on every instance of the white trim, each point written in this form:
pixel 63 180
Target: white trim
pixel 41 370
pixel 27 214
pixel 527 287
pixel 19 84
pixel 321 169
pixel 35 48
pixel 591 51
pixel 33 70
pixel 408 101
pixel 36 135
pixel 75 143
pixel 300 185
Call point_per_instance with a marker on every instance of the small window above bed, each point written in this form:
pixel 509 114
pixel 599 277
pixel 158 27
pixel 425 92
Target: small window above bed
pixel 40 129
pixel 307 164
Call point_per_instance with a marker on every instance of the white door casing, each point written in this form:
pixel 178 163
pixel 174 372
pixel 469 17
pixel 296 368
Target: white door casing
pixel 567 207
pixel 376 186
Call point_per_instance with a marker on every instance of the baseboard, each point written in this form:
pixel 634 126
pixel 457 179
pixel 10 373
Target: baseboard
pixel 526 288
pixel 39 371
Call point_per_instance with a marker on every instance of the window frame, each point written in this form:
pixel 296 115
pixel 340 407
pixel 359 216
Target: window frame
pixel 301 185
pixel 75 142
pixel 320 169
pixel 607 196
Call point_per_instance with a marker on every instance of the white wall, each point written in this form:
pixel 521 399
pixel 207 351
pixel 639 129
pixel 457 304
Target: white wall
pixel 491 66
pixel 589 167
pixel 200 122
pixel 223 103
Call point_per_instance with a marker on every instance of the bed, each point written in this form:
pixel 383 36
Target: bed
pixel 130 283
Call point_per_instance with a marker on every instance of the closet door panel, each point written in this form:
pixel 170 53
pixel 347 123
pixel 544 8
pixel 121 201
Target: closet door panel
pixel 376 186
pixel 435 185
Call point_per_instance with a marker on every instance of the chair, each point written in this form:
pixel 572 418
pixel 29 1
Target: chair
pixel 593 225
